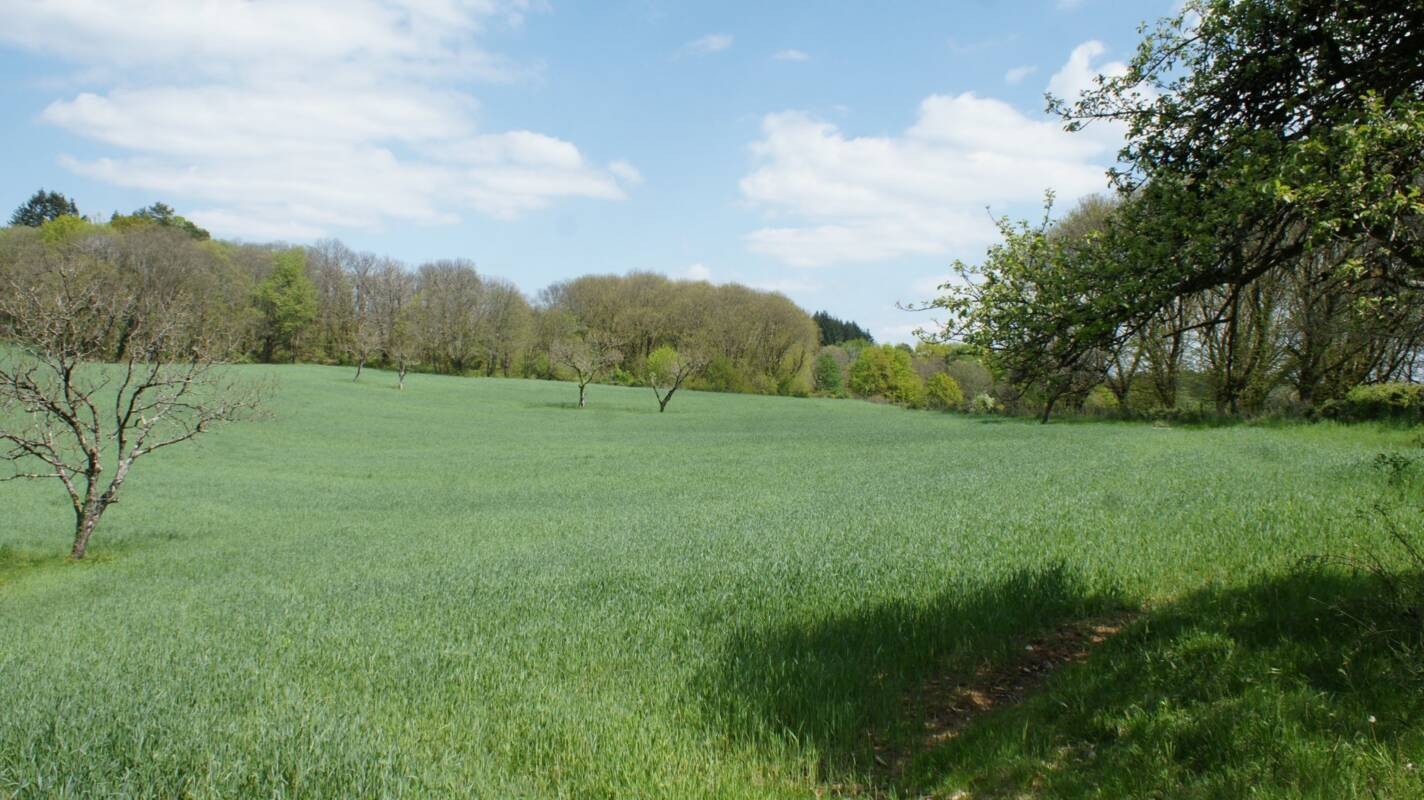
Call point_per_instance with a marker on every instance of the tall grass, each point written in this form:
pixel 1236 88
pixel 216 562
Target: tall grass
pixel 473 588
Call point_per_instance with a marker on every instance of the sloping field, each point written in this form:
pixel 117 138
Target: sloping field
pixel 473 588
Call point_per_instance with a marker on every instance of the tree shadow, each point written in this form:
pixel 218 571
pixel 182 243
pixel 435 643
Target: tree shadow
pixel 1297 684
pixel 836 688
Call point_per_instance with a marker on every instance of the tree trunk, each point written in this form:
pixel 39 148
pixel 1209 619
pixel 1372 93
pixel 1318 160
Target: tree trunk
pixel 583 399
pixel 1047 409
pixel 84 528
pixel 360 364
pixel 400 379
pixel 663 401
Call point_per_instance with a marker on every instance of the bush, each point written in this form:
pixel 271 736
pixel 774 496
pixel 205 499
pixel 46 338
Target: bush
pixel 1381 401
pixel 943 392
pixel 828 374
pixel 885 371
pixel 984 403
pixel 622 377
pixel 1101 402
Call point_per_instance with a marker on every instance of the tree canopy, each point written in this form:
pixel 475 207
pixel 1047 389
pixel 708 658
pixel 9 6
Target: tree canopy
pixel 1268 214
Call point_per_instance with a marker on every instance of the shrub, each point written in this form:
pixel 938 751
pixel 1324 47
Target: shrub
pixel 984 403
pixel 1381 401
pixel 622 377
pixel 1101 402
pixel 828 375
pixel 943 392
pixel 885 371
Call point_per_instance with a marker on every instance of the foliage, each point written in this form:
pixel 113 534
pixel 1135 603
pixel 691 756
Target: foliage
pixel 1101 402
pixel 1385 401
pixel 943 392
pixel 828 376
pixel 1267 224
pixel 984 403
pixel 1021 306
pixel 667 369
pixel 287 302
pixel 837 331
pixel 43 207
pixel 162 215
pixel 768 343
pixel 885 371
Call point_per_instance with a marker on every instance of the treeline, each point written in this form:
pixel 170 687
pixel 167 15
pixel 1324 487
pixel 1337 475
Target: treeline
pixel 329 304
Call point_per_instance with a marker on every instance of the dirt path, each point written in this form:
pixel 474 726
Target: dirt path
pixel 949 703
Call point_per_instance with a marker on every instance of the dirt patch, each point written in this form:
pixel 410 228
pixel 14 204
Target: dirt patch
pixel 950 703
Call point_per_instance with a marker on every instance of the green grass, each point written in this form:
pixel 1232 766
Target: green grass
pixel 472 588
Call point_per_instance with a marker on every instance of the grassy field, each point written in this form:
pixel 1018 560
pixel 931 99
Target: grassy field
pixel 473 588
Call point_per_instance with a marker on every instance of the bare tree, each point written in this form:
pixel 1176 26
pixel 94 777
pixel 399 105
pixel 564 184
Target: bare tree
pixel 669 368
pixel 588 356
pixel 365 341
pixel 64 415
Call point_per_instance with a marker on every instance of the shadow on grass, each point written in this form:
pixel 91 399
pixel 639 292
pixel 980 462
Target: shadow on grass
pixel 595 408
pixel 1298 685
pixel 16 562
pixel 837 687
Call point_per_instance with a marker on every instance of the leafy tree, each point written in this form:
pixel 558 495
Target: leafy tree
pixel 1258 131
pixel 828 374
pixel 885 371
pixel 667 369
pixel 943 392
pixel 1021 305
pixel 287 301
pixel 43 207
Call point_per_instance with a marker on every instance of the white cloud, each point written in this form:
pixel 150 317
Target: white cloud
pixel 625 172
pixel 832 198
pixel 1017 74
pixel 296 118
pixel 1079 74
pixel 697 272
pixel 707 45
pixel 791 55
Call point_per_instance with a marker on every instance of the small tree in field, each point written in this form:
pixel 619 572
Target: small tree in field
pixel 588 356
pixel 66 416
pixel 668 369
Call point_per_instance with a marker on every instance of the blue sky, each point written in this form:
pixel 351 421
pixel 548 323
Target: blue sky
pixel 842 153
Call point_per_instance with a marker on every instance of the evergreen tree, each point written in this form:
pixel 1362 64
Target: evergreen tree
pixel 42 207
pixel 835 331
